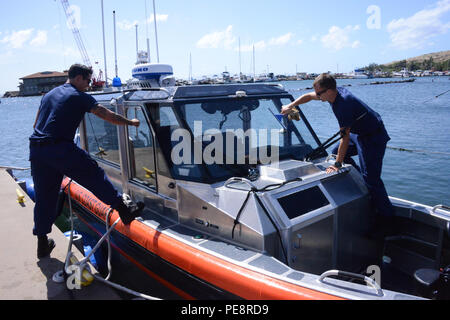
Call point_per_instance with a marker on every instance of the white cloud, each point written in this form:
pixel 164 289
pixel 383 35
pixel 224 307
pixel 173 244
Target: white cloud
pixel 126 25
pixel 40 39
pixel 225 39
pixel 218 39
pixel 159 17
pixel 299 42
pixel 260 45
pixel 339 38
pixel 17 39
pixel 417 30
pixel 70 52
pixel 356 44
pixel 281 40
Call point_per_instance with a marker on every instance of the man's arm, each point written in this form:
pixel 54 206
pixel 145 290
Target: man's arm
pixel 342 151
pixel 113 117
pixel 37 116
pixel 301 100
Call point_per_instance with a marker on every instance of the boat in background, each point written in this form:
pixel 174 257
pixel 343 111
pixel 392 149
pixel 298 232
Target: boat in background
pixel 358 74
pixel 404 73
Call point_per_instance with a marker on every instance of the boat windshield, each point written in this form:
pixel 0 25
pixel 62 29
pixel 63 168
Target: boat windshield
pixel 220 138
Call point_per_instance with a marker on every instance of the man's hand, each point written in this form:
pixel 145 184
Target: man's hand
pixel 112 117
pixel 135 122
pixel 286 109
pixel 332 169
pixel 307 97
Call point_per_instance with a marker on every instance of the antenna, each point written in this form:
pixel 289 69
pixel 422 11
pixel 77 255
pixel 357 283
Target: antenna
pixel 104 47
pixel 116 81
pixel 156 31
pixel 115 43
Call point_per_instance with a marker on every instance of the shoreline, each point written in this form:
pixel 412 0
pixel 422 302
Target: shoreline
pixel 184 83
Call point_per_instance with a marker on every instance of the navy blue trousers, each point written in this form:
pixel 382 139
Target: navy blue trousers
pixel 370 151
pixel 49 164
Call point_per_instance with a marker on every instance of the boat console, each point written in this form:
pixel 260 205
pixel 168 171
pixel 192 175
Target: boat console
pixel 314 222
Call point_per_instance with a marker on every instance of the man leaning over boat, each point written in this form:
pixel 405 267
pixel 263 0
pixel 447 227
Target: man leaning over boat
pixel 363 134
pixel 53 154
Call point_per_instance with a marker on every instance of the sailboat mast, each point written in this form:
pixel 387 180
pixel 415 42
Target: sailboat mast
pixel 240 64
pixel 137 44
pixel 148 40
pixel 156 31
pixel 190 66
pixel 254 68
pixel 104 46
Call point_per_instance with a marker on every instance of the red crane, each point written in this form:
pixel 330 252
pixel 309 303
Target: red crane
pixel 97 82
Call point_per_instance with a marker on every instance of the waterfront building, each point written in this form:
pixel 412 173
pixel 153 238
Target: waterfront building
pixel 41 82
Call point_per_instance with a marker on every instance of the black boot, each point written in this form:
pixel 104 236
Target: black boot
pixel 128 211
pixel 45 246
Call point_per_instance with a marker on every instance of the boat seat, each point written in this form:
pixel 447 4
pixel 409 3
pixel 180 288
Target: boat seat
pixel 426 282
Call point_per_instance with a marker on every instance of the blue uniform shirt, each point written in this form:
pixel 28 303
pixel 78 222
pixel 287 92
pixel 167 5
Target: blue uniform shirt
pixel 353 113
pixel 61 112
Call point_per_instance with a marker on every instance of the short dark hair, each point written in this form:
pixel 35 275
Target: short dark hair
pixel 326 81
pixel 79 69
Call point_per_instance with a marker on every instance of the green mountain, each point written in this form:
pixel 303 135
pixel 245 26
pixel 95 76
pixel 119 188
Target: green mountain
pixel 437 61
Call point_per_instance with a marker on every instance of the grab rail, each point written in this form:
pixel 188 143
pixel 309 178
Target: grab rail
pixel 239 179
pixel 369 281
pixel 441 207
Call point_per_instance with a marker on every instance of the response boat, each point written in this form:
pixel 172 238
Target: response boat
pixel 234 211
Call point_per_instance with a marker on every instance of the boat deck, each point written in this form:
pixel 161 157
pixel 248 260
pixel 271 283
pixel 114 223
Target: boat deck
pixel 22 275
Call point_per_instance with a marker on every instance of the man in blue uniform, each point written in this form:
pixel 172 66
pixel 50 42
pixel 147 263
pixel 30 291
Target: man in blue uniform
pixel 363 134
pixel 54 154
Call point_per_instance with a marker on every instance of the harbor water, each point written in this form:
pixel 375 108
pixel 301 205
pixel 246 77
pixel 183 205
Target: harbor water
pixel 416 164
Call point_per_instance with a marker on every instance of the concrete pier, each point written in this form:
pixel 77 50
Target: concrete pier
pixel 22 275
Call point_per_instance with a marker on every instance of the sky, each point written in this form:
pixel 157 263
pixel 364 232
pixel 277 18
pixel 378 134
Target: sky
pixel 289 36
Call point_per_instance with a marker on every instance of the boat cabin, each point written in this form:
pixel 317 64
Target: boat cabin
pixel 219 164
pixel 199 152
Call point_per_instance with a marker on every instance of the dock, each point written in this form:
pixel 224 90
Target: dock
pixel 22 275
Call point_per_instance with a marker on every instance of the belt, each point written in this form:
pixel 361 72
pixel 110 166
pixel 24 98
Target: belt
pixel 372 133
pixel 42 143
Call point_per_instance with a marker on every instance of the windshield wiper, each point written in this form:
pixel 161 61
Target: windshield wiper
pixel 317 152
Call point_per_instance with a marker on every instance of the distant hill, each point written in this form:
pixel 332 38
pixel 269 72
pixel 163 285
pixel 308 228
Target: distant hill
pixel 437 61
pixel 442 56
